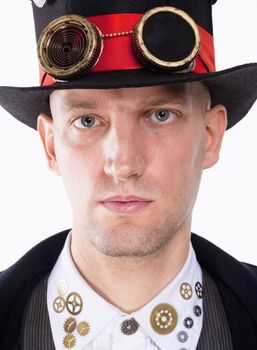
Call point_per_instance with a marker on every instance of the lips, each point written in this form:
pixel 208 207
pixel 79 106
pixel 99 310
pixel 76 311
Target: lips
pixel 126 204
pixel 126 199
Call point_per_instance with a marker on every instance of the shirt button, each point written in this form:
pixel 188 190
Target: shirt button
pixel 129 327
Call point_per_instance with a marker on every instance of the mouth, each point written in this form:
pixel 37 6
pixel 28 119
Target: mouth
pixel 126 204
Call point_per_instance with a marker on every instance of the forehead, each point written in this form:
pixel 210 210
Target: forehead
pixel 147 95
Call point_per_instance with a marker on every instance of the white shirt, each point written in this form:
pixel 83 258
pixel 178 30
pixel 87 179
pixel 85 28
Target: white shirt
pixel 82 319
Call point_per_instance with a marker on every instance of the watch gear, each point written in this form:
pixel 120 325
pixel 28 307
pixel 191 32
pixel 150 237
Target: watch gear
pixel 182 336
pixel 63 288
pixel 188 322
pixel 59 304
pixel 69 341
pixel 129 327
pixel 164 318
pixel 83 328
pixel 74 303
pixel 199 290
pixel 197 310
pixel 186 291
pixel 70 325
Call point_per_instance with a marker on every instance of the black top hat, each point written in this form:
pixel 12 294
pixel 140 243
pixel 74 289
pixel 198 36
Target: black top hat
pixel 120 43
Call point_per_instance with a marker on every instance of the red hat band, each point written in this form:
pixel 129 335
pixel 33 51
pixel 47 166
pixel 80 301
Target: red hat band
pixel 117 51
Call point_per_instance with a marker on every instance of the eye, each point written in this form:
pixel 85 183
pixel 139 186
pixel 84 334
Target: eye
pixel 87 121
pixel 163 115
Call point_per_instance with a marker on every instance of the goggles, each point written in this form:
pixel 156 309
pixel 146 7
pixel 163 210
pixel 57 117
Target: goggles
pixel 165 38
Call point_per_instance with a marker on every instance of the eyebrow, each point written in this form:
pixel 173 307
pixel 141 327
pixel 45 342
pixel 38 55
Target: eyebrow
pixel 178 97
pixel 155 101
pixel 70 105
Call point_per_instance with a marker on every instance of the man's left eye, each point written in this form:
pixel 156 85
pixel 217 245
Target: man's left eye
pixel 163 115
pixel 87 121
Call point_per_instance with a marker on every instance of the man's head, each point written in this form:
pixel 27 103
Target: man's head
pixel 152 143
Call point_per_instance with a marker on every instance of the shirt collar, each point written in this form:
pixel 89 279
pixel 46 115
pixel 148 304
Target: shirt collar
pixel 72 302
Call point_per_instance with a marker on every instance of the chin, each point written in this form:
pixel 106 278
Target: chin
pixel 129 241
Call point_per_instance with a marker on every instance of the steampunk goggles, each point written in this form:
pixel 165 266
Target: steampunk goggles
pixel 165 38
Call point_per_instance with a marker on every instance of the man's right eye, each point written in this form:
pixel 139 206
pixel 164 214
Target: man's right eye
pixel 87 121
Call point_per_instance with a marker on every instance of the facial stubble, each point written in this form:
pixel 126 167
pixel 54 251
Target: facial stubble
pixel 127 238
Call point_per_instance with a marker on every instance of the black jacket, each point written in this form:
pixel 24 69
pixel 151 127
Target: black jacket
pixel 237 284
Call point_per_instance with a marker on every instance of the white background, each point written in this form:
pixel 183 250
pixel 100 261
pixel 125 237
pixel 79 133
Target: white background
pixel 33 204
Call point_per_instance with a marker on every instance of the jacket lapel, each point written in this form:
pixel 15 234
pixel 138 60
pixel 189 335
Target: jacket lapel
pixel 237 284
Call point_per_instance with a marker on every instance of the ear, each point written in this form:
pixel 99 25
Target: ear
pixel 215 126
pixel 45 128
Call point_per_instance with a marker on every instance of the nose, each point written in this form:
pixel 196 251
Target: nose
pixel 124 152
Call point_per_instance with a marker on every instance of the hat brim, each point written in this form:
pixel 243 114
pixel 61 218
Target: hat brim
pixel 235 88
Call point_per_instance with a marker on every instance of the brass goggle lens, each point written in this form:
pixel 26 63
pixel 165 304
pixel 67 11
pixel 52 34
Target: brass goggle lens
pixel 167 38
pixel 68 47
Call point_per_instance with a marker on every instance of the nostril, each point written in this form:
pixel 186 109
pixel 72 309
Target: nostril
pixel 120 170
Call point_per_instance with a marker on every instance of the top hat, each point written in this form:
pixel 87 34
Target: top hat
pixel 85 44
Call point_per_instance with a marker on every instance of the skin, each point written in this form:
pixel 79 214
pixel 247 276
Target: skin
pixel 129 151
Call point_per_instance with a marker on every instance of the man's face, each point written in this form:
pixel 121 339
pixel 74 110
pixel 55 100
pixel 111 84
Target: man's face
pixel 131 160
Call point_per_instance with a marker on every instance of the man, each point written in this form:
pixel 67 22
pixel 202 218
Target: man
pixel 129 116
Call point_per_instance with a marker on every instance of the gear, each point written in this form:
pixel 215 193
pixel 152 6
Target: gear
pixel 182 336
pixel 164 318
pixel 129 327
pixel 69 341
pixel 74 303
pixel 186 291
pixel 70 325
pixel 83 328
pixel 197 310
pixel 59 304
pixel 199 290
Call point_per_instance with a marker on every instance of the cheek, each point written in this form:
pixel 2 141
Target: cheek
pixel 179 162
pixel 192 160
pixel 78 167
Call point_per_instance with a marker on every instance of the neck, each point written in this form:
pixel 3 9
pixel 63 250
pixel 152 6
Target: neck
pixel 130 282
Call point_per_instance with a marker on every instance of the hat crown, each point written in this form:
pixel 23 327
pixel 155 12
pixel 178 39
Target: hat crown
pixel 199 10
pixel 235 88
